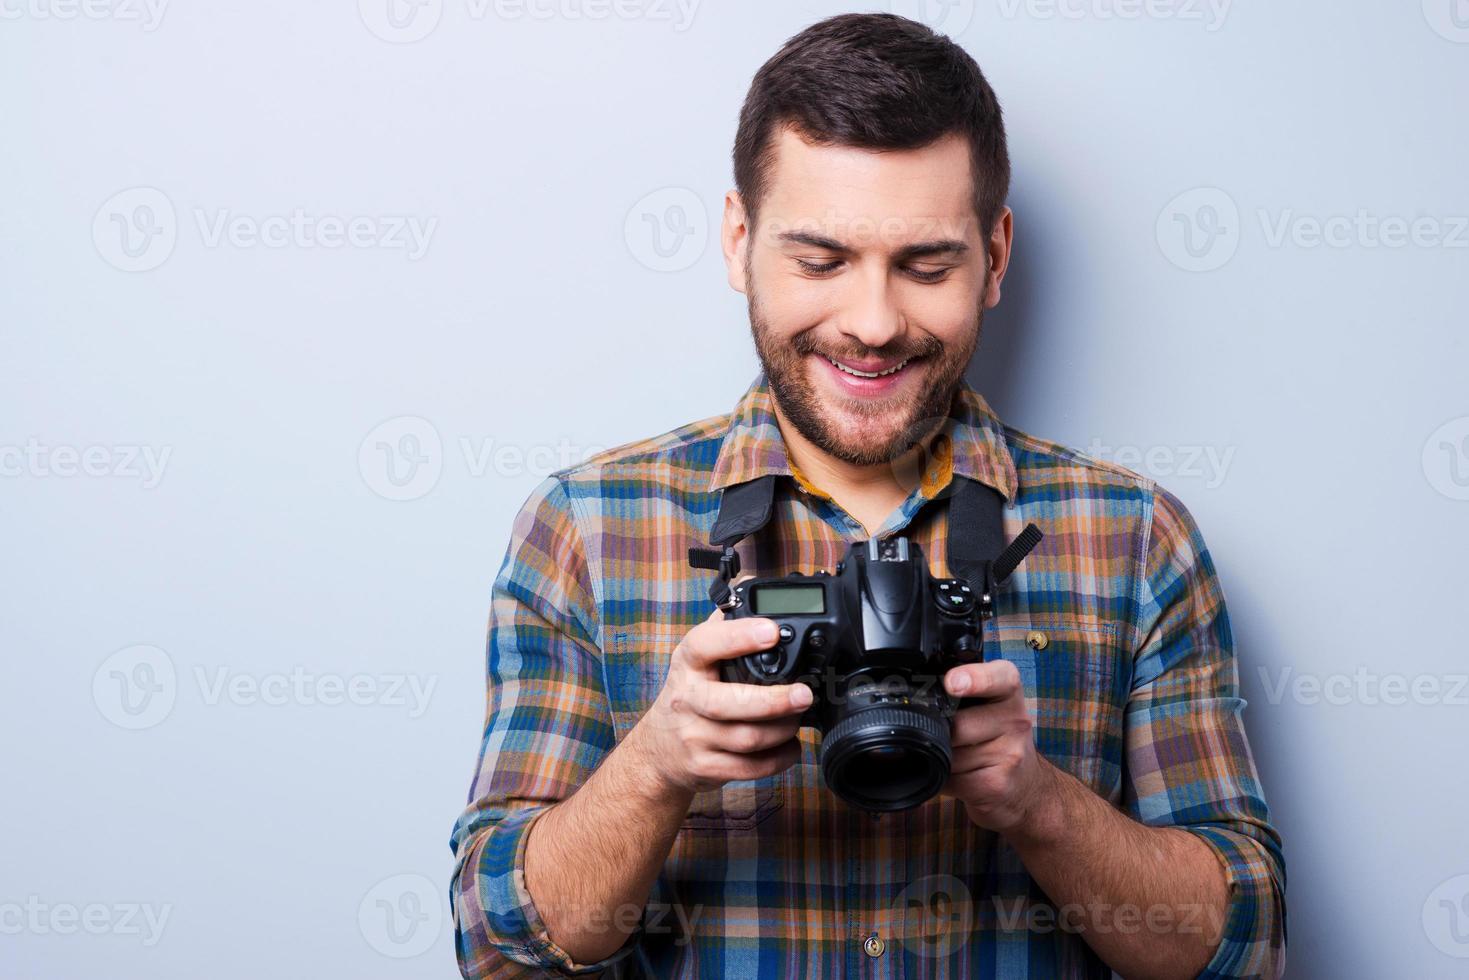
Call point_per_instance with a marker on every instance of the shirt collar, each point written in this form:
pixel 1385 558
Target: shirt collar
pixel 971 445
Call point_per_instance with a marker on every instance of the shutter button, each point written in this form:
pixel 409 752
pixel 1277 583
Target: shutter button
pixel 873 945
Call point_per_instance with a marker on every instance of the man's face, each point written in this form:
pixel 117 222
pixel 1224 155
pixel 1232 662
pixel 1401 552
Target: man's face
pixel 867 278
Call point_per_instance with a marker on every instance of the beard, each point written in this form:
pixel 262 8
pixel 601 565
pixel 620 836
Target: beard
pixel 860 431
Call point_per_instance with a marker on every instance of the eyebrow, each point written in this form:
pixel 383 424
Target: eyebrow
pixel 918 250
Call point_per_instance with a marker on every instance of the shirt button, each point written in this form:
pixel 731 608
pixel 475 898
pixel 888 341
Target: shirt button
pixel 1037 640
pixel 873 945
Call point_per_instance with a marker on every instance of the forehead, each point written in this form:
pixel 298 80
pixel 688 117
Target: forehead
pixel 863 196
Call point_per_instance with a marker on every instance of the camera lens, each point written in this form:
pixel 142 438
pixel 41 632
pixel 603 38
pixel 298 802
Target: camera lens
pixel 887 757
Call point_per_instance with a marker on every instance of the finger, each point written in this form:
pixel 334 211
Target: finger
pixel 722 701
pixel 994 679
pixel 974 726
pixel 752 738
pixel 973 758
pixel 1008 754
pixel 715 640
pixel 729 766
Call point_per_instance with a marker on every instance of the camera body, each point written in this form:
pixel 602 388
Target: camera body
pixel 873 641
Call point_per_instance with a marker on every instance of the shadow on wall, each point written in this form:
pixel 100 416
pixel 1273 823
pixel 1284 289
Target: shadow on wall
pixel 1013 331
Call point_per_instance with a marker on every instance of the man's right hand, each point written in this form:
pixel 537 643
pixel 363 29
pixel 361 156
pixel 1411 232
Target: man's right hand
pixel 701 732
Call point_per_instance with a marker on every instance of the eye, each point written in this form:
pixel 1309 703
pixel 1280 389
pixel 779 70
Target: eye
pixel 818 268
pixel 924 275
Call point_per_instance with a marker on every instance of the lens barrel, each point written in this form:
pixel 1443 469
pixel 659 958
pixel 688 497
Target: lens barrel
pixel 887 757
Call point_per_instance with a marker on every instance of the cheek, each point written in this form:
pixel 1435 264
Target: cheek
pixel 947 312
pixel 791 303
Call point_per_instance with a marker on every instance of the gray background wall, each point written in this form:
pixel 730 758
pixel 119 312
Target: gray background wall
pixel 259 473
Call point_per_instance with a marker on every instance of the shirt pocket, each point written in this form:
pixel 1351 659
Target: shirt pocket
pixel 1076 673
pixel 637 663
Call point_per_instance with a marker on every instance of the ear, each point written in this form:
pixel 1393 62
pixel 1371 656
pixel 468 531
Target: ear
pixel 734 239
pixel 998 255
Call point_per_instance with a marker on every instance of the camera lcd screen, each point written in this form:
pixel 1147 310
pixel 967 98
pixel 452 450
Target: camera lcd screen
pixel 778 600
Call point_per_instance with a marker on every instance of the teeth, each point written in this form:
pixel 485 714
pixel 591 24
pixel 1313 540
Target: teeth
pixel 867 374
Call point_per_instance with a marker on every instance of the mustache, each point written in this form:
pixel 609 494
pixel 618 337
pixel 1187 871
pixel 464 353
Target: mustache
pixel 930 346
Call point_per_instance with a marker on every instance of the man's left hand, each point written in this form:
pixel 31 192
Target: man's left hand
pixel 996 772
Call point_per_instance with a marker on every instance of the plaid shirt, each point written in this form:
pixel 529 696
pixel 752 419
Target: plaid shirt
pixel 1116 623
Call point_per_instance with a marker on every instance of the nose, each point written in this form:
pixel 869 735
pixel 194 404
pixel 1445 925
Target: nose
pixel 873 316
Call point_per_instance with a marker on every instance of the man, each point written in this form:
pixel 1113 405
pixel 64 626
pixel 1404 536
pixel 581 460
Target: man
pixel 634 815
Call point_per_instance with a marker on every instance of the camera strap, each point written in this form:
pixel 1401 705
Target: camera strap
pixel 976 533
pixel 744 508
pixel 976 546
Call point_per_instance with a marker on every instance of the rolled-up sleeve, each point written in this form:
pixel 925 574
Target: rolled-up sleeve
pixel 547 727
pixel 1188 759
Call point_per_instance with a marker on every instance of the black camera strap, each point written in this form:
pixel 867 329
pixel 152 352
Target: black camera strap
pixel 976 532
pixel 976 546
pixel 744 508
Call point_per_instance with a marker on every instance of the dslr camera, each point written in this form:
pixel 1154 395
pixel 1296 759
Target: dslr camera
pixel 873 641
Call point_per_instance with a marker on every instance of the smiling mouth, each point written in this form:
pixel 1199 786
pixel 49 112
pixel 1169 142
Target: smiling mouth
pixel 867 374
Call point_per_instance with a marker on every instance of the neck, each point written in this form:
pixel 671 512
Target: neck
pixel 868 493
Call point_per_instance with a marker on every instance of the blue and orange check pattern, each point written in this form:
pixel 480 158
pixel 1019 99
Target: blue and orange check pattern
pixel 1116 622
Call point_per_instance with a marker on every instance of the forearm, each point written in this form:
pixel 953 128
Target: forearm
pixel 1151 901
pixel 591 860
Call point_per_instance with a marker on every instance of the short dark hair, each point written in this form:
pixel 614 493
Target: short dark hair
pixel 878 82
